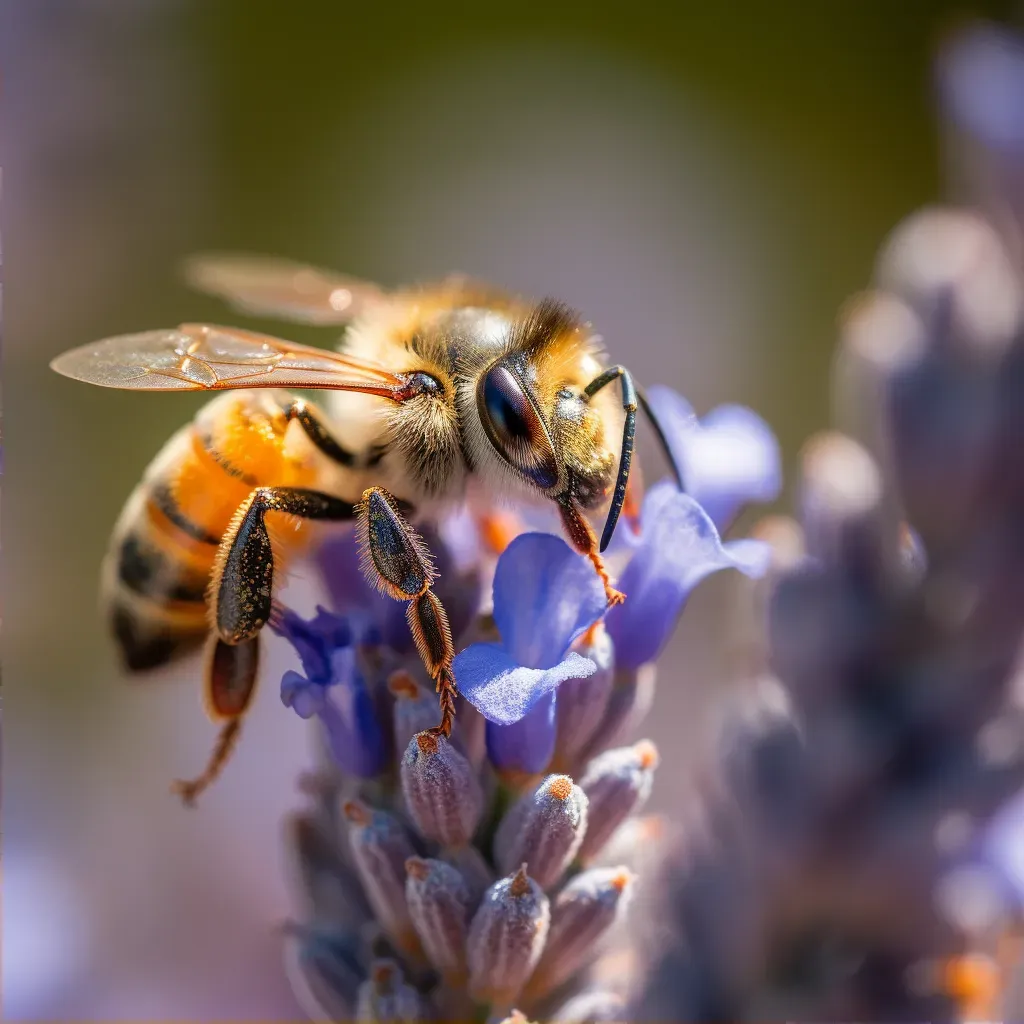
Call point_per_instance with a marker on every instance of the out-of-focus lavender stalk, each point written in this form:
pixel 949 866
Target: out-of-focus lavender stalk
pixel 841 869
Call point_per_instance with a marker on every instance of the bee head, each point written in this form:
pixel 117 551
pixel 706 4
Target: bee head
pixel 536 415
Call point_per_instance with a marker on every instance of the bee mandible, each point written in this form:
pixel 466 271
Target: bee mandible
pixel 442 392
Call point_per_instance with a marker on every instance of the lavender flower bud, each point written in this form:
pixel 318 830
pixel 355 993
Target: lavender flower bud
pixel 380 848
pixel 637 842
pixel 630 699
pixel 882 338
pixel 847 519
pixel 328 887
pixel 545 830
pixel 617 783
pixel 441 790
pixel 506 938
pixel 438 899
pixel 582 702
pixel 580 915
pixel 323 970
pixel 594 1007
pixel 415 707
pixel 385 996
pixel 953 263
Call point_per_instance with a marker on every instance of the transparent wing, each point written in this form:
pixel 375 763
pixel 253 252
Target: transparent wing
pixel 196 357
pixel 267 286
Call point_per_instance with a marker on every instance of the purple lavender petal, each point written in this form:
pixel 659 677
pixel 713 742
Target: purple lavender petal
pixel 526 745
pixel 545 596
pixel 501 689
pixel 727 459
pixel 314 639
pixel 681 547
pixel 302 696
pixel 981 81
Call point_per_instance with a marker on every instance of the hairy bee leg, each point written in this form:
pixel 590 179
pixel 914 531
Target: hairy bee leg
pixel 584 540
pixel 230 684
pixel 397 560
pixel 243 580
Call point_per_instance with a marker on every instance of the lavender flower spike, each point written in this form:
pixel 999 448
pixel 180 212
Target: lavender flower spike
pixel 506 938
pixel 441 790
pixel 545 597
pixel 617 783
pixel 546 832
pixel 727 458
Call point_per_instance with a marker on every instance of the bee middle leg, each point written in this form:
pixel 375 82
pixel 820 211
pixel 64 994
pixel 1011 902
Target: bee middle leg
pixel 241 592
pixel 398 562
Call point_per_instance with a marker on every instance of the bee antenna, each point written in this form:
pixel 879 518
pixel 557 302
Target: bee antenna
pixel 631 397
pixel 629 402
pixel 677 471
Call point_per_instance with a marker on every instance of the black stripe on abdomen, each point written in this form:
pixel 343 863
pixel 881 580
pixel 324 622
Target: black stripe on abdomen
pixel 164 500
pixel 154 573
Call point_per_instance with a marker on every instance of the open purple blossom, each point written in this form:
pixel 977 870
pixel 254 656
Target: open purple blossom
pixel 545 597
pixel 727 458
pixel 333 689
pixel 678 547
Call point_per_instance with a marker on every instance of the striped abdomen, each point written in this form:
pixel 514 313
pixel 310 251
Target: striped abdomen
pixel 165 542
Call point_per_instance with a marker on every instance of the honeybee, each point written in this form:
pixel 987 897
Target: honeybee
pixel 443 392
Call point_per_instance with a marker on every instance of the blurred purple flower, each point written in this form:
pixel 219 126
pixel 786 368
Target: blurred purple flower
pixel 727 459
pixel 333 689
pixel 545 597
pixel 981 84
pixel 678 547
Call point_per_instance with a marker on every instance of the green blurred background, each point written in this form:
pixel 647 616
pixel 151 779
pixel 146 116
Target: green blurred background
pixel 708 184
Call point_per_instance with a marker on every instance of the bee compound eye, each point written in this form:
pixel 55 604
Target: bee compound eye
pixel 515 428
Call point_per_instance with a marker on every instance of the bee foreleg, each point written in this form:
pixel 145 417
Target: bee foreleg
pixel 583 539
pixel 243 577
pixel 397 561
pixel 230 684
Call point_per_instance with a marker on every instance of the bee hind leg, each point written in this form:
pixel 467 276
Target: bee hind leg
pixel 398 563
pixel 230 684
pixel 241 592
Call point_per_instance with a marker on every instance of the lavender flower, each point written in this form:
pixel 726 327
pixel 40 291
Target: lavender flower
pixel 333 688
pixel 545 597
pixel 727 458
pixel 679 547
pixel 445 850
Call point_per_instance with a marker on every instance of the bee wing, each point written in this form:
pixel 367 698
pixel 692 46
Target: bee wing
pixel 195 357
pixel 267 286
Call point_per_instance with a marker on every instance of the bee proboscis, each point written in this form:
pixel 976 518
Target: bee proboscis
pixel 444 393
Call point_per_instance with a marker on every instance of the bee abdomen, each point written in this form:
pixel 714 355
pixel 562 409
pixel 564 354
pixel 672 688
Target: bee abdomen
pixel 148 637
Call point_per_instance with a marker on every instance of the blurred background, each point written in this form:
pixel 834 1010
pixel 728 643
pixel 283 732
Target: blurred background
pixel 708 185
